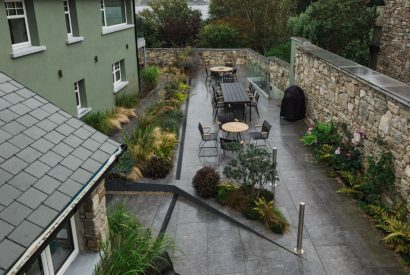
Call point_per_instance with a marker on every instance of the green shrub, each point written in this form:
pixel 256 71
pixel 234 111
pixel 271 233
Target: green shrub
pixel 130 248
pixel 124 163
pixel 271 216
pixel 219 36
pixel 224 189
pixel 99 121
pixel 126 100
pixel 157 168
pixel 149 76
pixel 206 181
pixel 281 51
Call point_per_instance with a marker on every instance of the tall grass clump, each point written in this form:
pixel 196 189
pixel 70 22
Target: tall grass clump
pixel 126 100
pixel 150 76
pixel 99 121
pixel 130 248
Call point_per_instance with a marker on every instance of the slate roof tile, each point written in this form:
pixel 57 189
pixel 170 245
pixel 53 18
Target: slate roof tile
pixel 8 194
pixel 82 133
pixel 57 118
pixel 7 150
pixel 91 165
pixel 15 213
pixel 13 98
pixel 51 159
pixel 21 141
pixel 25 233
pixel 60 173
pixel 4 104
pixel 47 125
pixel 65 129
pixel 4 135
pixel 8 88
pixel 47 184
pixel 27 120
pixel 49 108
pixel 72 162
pixel 43 216
pixel 33 104
pixel 34 132
pixel 22 181
pixel 32 198
pixel 41 99
pixel 14 165
pixel 5 229
pixel 4 78
pixel 100 156
pixel 7 115
pixel 42 145
pixel 57 201
pixel 63 149
pixel 54 136
pixel 39 114
pixel 16 84
pixel 13 128
pixel 4 176
pixel 82 153
pixel 82 176
pixel 26 93
pixel 65 114
pixel 91 145
pixel 75 123
pixel 73 141
pixel 20 109
pixel 29 154
pixel 108 148
pixel 14 251
pixel 70 187
pixel 100 138
pixel 37 169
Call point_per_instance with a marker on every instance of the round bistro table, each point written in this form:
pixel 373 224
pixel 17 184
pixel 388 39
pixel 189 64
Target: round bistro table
pixel 221 69
pixel 235 127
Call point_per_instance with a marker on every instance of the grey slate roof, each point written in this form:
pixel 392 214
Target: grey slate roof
pixel 46 157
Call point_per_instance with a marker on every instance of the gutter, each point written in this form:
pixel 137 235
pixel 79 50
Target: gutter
pixel 136 44
pixel 42 241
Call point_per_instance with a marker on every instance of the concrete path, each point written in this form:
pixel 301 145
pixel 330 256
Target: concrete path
pixel 338 238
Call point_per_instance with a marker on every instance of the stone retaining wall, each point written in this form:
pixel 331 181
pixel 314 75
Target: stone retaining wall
pixel 93 217
pixel 278 69
pixel 337 90
pixel 394 56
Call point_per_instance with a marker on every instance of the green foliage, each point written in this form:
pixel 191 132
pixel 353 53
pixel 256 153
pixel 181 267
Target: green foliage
pixel 130 248
pixel 219 36
pixel 149 76
pixel 124 163
pixel 170 23
pixel 254 167
pixel 126 100
pixel 342 27
pixel 281 51
pixel 263 21
pixel 271 216
pixel 206 181
pixel 224 189
pixel 99 121
pixel 322 133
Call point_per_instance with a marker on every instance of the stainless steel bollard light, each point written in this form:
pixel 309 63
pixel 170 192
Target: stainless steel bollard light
pixel 274 157
pixel 298 250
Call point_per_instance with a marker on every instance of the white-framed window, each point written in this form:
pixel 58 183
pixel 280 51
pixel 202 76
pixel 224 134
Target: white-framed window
pixel 60 252
pixel 77 95
pixel 68 22
pixel 116 73
pixel 18 24
pixel 113 13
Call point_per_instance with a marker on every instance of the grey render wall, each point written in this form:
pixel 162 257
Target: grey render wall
pixel 39 71
pixel 394 56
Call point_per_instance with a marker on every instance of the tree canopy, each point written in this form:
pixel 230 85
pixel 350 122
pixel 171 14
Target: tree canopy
pixel 170 23
pixel 341 26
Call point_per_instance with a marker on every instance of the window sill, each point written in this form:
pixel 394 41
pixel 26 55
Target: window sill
pixel 27 50
pixel 118 87
pixel 74 39
pixel 116 28
pixel 83 111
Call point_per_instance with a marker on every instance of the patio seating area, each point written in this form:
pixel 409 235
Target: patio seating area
pixel 338 239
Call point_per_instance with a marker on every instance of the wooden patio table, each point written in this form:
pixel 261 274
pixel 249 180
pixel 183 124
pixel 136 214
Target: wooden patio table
pixel 235 127
pixel 221 69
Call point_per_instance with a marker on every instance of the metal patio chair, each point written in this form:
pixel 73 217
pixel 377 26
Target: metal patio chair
pixel 263 134
pixel 207 137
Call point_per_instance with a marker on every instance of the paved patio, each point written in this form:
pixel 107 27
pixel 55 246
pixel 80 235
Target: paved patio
pixel 338 238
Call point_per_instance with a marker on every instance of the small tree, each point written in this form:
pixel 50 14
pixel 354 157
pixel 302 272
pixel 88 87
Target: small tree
pixel 341 26
pixel 253 168
pixel 219 36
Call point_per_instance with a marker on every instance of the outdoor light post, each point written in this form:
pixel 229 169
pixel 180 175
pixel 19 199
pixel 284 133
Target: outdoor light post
pixel 298 250
pixel 274 157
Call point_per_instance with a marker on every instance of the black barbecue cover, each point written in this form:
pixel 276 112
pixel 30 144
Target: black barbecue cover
pixel 293 104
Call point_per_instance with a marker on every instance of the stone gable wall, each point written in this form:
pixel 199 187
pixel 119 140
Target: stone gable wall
pixel 93 219
pixel 333 94
pixel 394 56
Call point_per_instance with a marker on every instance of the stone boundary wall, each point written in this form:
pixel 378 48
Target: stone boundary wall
pixel 93 217
pixel 340 90
pixel 278 69
pixel 394 55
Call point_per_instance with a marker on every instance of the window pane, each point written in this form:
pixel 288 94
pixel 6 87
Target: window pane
pixel 19 5
pixel 36 268
pixel 117 76
pixel 18 30
pixel 115 12
pixel 68 23
pixel 61 246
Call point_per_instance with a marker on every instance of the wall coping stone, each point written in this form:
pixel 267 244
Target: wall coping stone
pixel 389 86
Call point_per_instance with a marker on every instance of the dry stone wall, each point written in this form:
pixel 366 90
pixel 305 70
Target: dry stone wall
pixel 278 69
pixel 93 217
pixel 394 56
pixel 335 94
